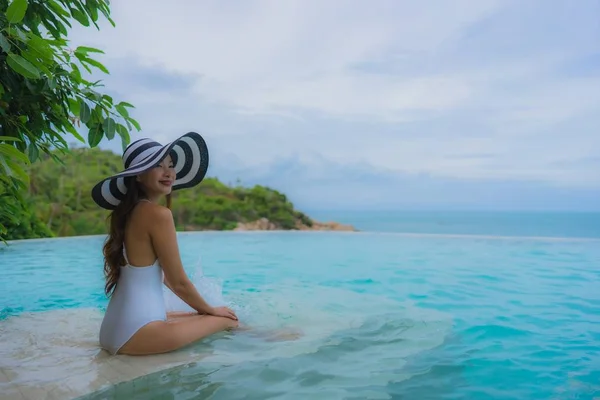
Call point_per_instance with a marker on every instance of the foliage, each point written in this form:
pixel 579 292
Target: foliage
pixel 60 196
pixel 17 215
pixel 44 93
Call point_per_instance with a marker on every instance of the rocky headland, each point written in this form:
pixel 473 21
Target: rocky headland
pixel 263 224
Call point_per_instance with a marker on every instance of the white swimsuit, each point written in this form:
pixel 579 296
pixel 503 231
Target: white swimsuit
pixel 137 300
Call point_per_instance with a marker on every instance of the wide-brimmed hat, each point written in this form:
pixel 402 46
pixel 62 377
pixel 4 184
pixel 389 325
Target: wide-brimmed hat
pixel 188 152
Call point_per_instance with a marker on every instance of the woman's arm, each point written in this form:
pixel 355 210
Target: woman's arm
pixel 164 240
pixel 166 283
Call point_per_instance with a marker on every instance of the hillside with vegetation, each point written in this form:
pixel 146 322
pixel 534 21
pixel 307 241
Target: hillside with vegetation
pixel 58 202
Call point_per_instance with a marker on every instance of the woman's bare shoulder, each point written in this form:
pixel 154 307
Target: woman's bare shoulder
pixel 151 214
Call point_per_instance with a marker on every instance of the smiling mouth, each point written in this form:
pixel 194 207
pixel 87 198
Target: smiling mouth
pixel 166 183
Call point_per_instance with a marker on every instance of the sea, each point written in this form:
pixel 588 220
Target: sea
pixel 415 305
pixel 488 223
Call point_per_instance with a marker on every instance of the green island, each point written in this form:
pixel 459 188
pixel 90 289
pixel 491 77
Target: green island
pixel 58 202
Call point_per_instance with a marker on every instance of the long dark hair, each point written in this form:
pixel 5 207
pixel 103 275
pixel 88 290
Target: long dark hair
pixel 113 246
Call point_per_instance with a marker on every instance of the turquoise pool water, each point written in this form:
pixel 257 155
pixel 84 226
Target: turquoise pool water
pixel 384 315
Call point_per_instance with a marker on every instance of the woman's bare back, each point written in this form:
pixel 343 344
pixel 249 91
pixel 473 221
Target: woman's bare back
pixel 138 241
pixel 179 330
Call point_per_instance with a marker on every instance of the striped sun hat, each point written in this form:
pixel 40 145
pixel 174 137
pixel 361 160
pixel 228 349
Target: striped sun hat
pixel 189 154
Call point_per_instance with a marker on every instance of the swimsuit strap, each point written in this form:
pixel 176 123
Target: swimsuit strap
pixel 125 254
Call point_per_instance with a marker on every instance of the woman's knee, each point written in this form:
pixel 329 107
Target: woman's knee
pixel 230 323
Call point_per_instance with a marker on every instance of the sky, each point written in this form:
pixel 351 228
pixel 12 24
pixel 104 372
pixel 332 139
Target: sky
pixel 435 104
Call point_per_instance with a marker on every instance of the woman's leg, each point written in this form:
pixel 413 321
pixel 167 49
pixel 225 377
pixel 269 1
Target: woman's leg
pixel 172 315
pixel 270 335
pixel 162 337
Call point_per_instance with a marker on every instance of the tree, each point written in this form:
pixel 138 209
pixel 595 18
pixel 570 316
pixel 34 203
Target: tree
pixel 43 93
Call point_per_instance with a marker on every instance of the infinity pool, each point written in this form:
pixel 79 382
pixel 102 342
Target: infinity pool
pixel 383 316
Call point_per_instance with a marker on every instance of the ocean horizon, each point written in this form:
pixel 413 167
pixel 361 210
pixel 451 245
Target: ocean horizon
pixel 513 224
pixel 555 224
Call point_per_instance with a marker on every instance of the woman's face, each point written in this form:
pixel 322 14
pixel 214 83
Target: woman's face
pixel 158 180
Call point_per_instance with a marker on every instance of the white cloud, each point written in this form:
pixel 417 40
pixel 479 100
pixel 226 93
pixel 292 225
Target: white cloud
pixel 412 87
pixel 269 55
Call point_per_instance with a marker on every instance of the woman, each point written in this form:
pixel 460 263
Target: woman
pixel 141 251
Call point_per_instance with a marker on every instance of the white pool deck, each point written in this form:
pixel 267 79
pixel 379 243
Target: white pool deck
pixel 107 372
pixel 55 355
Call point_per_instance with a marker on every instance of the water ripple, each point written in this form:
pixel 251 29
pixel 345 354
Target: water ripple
pixel 384 316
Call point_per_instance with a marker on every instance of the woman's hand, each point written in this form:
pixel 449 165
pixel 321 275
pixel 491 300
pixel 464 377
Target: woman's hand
pixel 223 312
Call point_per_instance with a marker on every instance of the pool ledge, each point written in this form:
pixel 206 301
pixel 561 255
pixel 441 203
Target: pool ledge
pixel 55 355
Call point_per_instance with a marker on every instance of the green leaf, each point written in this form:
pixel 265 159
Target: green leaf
pixel 125 104
pixel 109 125
pixel 52 29
pixel 135 123
pixel 33 152
pixel 95 63
pixel 107 100
pixel 10 151
pixel 51 83
pixel 40 46
pixel 124 133
pixel 16 11
pixel 33 58
pixel 74 132
pixel 84 9
pixel 18 170
pixel 85 113
pixel 85 66
pixel 58 139
pixel 76 73
pixel 83 50
pixel 92 8
pixel 5 169
pixel 97 115
pixel 1 89
pixel 80 17
pixel 16 32
pixel 92 94
pixel 74 106
pixel 122 130
pixel 104 8
pixel 60 26
pixel 22 66
pixel 95 135
pixel 94 14
pixel 57 8
pixel 10 139
pixel 122 110
pixel 4 43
